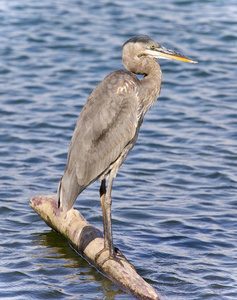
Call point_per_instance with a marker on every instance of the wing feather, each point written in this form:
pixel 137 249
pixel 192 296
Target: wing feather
pixel 107 124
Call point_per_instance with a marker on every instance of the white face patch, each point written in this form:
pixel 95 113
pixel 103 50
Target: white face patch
pixel 156 54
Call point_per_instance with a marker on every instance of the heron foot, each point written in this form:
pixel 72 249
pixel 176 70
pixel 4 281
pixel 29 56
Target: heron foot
pixel 116 255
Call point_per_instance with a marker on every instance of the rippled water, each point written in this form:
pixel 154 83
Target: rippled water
pixel 174 200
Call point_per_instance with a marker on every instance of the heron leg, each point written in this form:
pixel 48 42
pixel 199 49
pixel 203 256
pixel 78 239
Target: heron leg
pixel 103 206
pixel 108 232
pixel 106 202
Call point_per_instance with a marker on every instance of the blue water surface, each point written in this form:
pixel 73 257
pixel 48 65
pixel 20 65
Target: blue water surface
pixel 175 198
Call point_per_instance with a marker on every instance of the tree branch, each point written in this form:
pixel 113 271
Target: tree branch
pixel 88 241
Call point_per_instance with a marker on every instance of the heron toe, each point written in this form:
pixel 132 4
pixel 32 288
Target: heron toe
pixel 116 255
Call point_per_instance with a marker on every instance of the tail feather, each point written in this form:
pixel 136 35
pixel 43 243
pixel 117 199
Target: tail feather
pixel 68 190
pixel 59 192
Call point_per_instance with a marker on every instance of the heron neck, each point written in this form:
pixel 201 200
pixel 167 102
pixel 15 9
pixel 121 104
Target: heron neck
pixel 146 66
pixel 152 73
pixel 151 82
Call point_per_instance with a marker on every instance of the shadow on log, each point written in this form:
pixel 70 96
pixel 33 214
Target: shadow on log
pixel 88 241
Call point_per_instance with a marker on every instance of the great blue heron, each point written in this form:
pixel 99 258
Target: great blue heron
pixel 108 125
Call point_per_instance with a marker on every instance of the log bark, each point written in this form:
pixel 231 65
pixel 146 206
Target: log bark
pixel 88 241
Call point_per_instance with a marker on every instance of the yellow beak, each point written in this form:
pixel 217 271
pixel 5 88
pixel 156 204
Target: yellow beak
pixel 162 52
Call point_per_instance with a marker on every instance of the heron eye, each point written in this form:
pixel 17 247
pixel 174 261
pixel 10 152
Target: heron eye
pixel 152 47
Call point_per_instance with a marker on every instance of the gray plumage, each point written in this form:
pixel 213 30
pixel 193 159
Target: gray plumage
pixel 108 125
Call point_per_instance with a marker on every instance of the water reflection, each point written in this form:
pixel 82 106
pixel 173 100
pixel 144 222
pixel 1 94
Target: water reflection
pixel 55 252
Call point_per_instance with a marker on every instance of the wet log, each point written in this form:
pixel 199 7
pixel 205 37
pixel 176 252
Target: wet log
pixel 88 241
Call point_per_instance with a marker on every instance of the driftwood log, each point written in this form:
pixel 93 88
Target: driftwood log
pixel 88 241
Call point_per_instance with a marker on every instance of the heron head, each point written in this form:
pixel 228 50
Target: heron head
pixel 145 46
